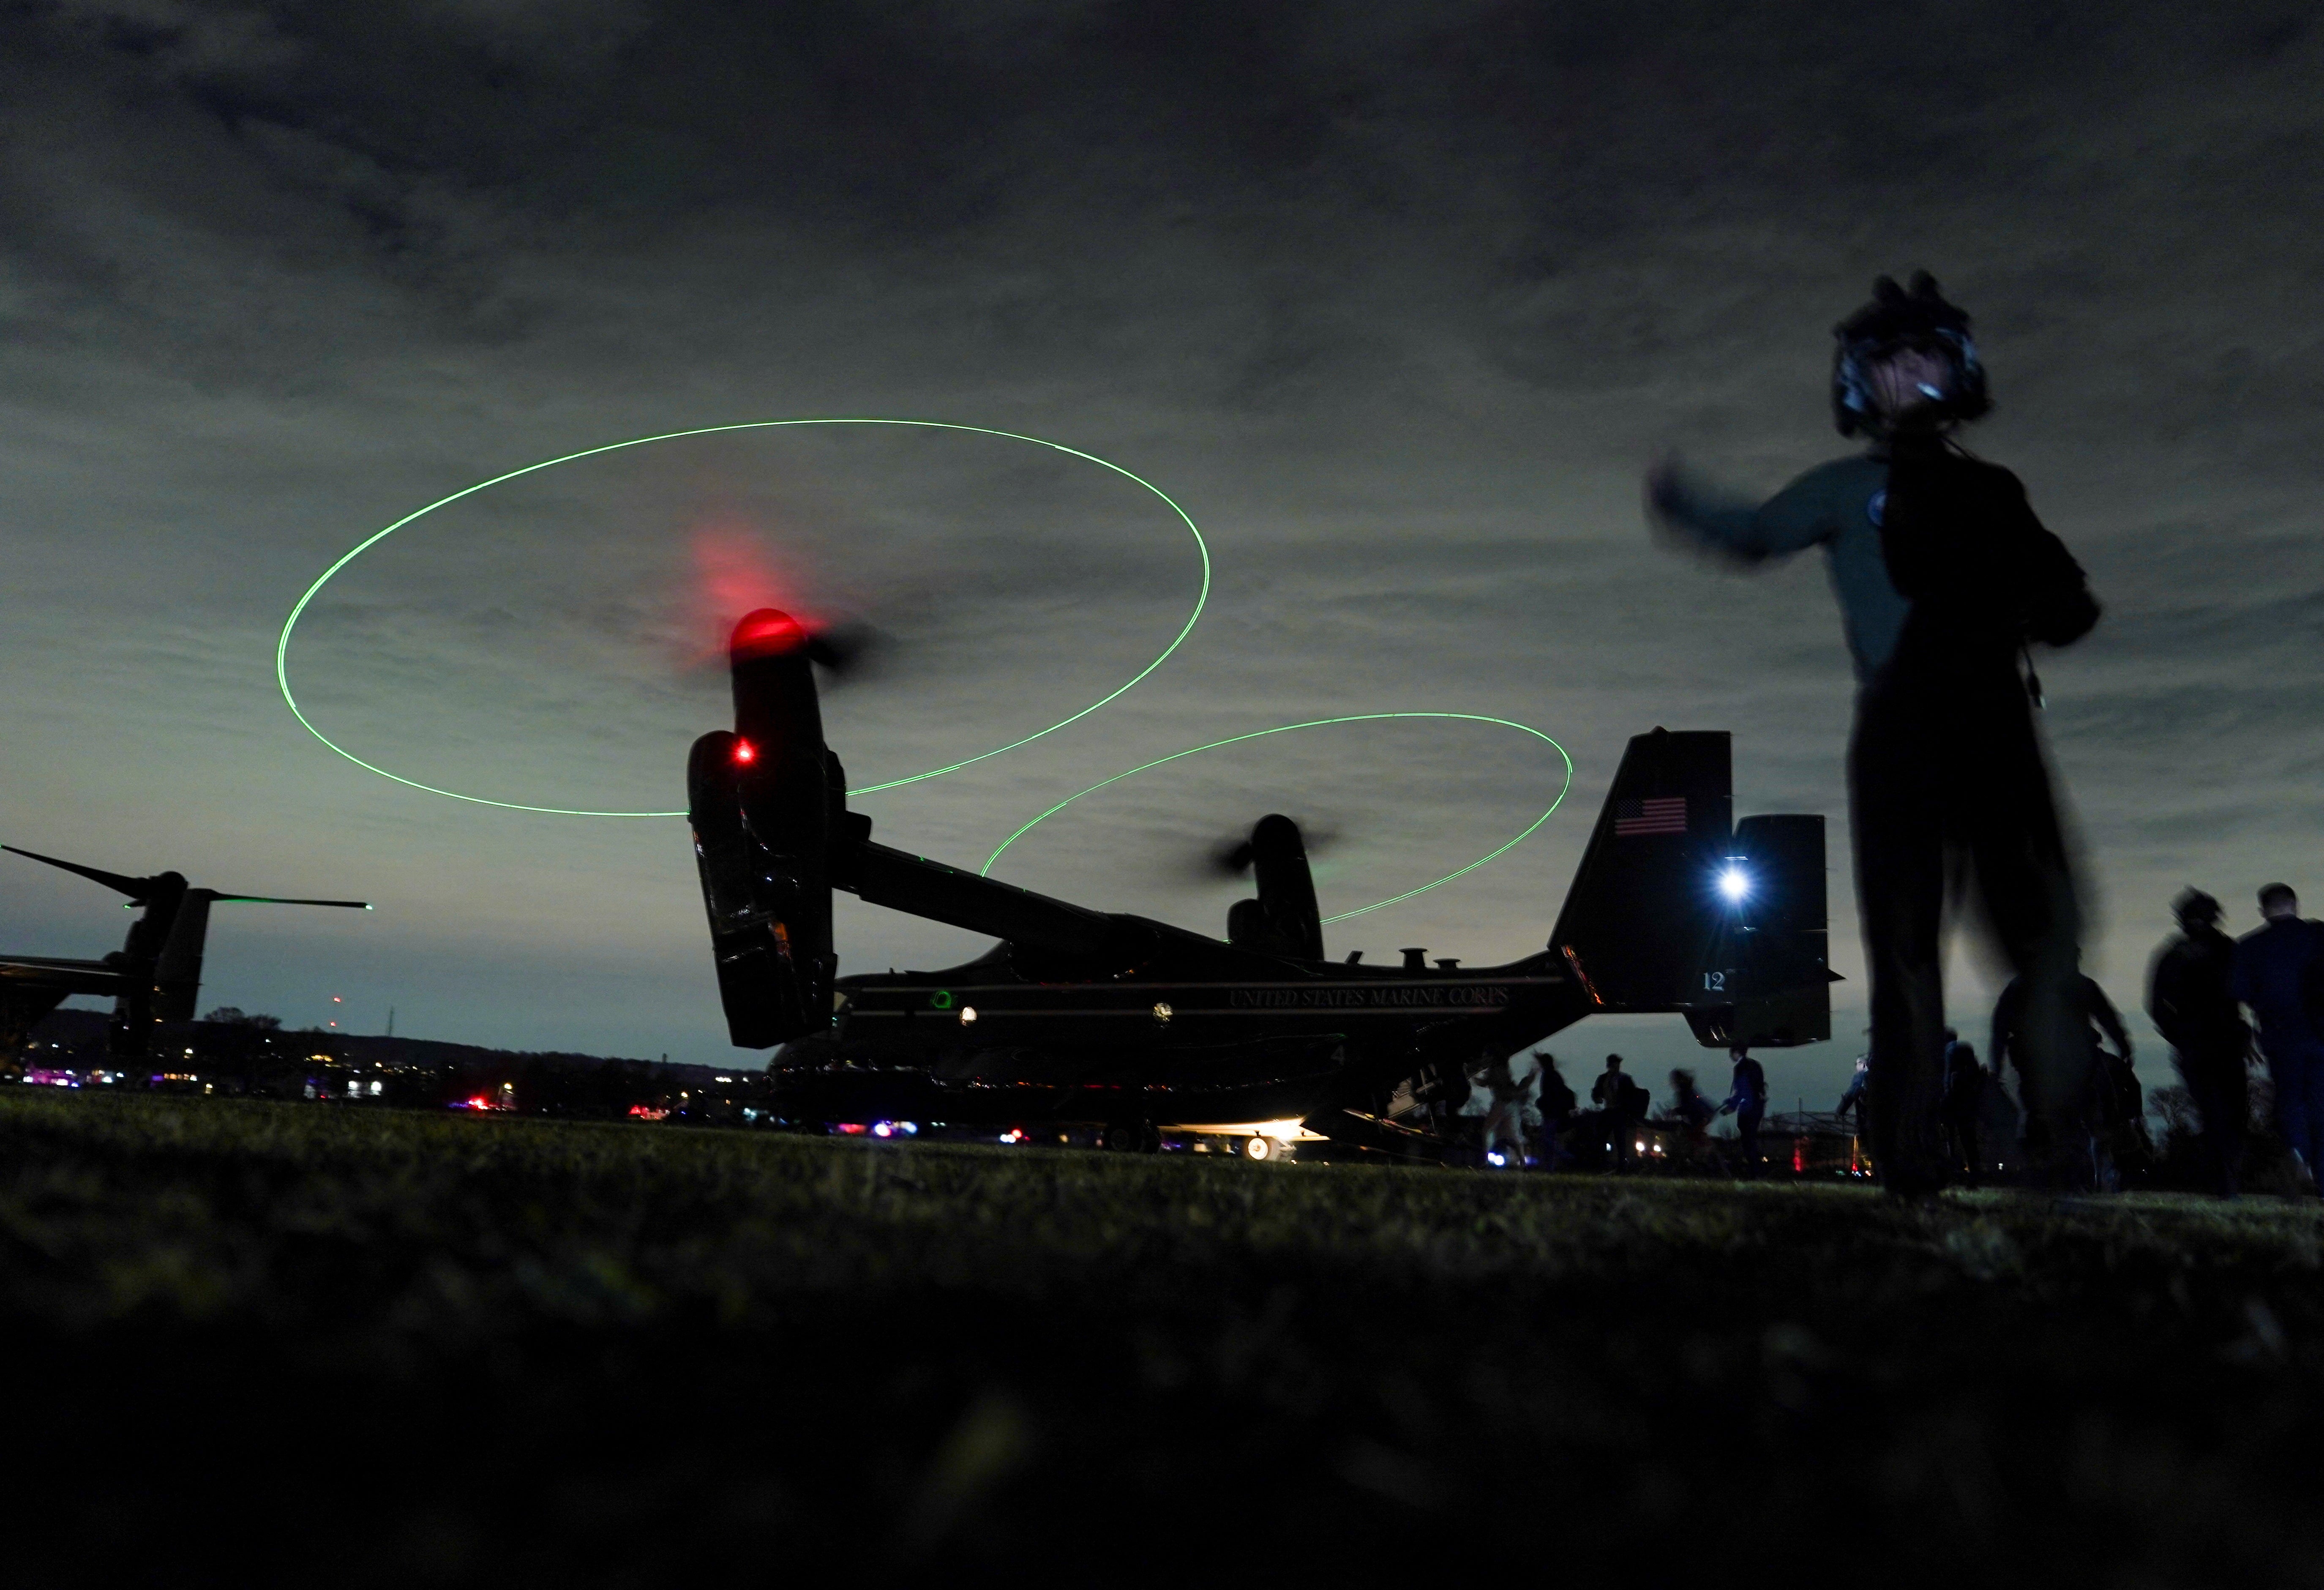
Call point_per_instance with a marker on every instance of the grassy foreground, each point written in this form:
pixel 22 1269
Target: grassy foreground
pixel 375 1347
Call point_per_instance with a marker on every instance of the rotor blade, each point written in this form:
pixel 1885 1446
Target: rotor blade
pixel 279 900
pixel 1231 857
pixel 843 650
pixel 135 888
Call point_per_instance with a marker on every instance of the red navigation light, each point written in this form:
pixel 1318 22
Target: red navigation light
pixel 768 633
pixel 745 753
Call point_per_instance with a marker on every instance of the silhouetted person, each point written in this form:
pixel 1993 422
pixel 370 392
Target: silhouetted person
pixel 1557 1104
pixel 1858 1082
pixel 1689 1108
pixel 2190 995
pixel 2275 967
pixel 1507 1096
pixel 1747 1101
pixel 1963 1106
pixel 2072 1142
pixel 1473 1144
pixel 1616 1096
pixel 1944 576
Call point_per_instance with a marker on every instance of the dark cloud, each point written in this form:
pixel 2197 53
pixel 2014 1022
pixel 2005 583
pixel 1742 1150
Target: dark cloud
pixel 1397 301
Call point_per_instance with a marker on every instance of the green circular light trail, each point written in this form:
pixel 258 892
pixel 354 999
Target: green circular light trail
pixel 283 645
pixel 1321 723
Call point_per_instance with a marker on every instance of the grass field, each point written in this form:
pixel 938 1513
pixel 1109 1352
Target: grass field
pixel 402 1348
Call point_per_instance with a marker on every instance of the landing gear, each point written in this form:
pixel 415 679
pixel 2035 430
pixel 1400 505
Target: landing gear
pixel 1261 1147
pixel 1133 1137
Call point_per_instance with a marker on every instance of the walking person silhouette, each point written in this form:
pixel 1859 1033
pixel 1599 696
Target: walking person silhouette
pixel 1944 578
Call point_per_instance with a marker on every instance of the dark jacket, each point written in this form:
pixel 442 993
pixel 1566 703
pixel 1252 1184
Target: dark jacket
pixel 1964 1082
pixel 1922 533
pixel 1962 545
pixel 2191 994
pixel 2272 964
pixel 1749 1089
pixel 2101 1019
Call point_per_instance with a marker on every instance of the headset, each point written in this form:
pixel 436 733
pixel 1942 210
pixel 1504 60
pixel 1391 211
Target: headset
pixel 1897 319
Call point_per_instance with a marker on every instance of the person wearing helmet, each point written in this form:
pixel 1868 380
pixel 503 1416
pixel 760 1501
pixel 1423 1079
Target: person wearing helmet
pixel 1944 578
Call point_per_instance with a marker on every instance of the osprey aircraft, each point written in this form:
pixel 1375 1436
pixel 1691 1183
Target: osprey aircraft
pixel 1134 1027
pixel 155 976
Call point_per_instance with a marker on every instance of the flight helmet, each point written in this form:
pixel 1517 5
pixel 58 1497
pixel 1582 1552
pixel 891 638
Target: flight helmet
pixel 1897 319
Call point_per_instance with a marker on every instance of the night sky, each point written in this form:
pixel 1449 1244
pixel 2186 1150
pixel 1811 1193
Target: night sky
pixel 1399 302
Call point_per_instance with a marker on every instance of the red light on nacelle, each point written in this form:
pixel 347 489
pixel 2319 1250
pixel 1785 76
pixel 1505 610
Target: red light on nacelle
pixel 768 633
pixel 745 753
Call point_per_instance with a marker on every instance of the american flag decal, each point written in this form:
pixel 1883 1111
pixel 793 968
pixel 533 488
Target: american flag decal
pixel 1664 814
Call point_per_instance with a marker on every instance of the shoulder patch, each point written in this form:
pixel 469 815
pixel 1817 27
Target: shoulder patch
pixel 1875 507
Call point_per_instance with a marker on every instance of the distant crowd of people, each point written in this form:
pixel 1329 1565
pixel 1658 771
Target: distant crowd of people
pixel 1522 1112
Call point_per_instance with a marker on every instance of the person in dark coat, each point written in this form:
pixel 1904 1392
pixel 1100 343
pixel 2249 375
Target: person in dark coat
pixel 2190 995
pixel 1963 1107
pixel 2079 1141
pixel 1619 1110
pixel 1557 1104
pixel 1945 578
pixel 1747 1101
pixel 1852 1098
pixel 2275 974
pixel 1689 1108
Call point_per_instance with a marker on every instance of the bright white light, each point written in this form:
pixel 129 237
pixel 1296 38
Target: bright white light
pixel 882 1129
pixel 1734 883
pixel 1497 1158
pixel 968 1015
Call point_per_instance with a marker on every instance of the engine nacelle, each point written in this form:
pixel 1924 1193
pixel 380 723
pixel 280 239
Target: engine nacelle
pixel 1283 920
pixel 760 798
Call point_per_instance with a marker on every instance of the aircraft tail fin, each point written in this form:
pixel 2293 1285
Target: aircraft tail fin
pixel 1678 907
pixel 1636 923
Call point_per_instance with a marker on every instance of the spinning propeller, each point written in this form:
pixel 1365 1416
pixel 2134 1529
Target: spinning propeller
pixel 1232 857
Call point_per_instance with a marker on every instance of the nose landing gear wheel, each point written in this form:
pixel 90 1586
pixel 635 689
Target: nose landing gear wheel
pixel 1260 1148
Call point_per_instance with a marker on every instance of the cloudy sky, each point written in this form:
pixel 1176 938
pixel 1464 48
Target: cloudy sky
pixel 1396 302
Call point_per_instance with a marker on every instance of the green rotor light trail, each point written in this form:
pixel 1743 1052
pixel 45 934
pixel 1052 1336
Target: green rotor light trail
pixel 1318 723
pixel 283 645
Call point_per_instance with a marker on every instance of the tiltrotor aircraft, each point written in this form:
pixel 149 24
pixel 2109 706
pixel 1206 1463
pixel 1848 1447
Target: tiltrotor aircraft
pixel 1136 1027
pixel 155 976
